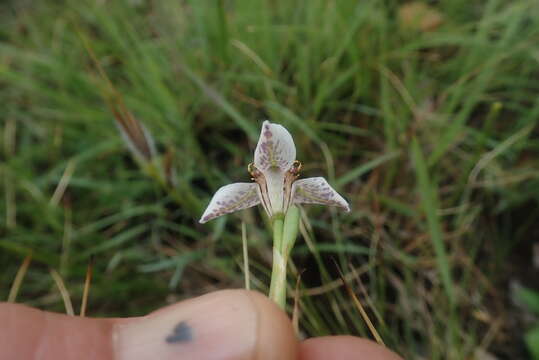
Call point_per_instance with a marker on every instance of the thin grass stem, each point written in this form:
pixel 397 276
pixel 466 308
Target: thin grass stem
pixel 18 279
pixel 246 271
pixel 63 292
pixel 86 290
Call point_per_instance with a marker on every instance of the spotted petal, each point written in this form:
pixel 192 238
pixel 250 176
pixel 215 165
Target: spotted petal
pixel 316 190
pixel 230 198
pixel 275 148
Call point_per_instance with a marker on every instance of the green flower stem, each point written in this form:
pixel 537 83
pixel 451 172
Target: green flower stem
pixel 278 273
pixel 278 225
pixel 278 279
pixel 285 232
pixel 290 230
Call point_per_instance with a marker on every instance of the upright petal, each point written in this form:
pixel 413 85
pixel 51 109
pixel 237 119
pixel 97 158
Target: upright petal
pixel 230 198
pixel 275 148
pixel 317 191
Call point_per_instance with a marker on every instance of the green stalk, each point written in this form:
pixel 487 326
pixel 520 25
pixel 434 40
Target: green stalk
pixel 285 232
pixel 278 273
pixel 290 230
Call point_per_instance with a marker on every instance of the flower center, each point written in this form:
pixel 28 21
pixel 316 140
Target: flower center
pixel 275 186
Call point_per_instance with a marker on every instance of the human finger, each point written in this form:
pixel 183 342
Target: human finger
pixel 230 324
pixel 344 348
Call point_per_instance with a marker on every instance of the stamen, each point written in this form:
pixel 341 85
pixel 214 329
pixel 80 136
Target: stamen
pixel 291 176
pixel 296 168
pixel 258 177
pixel 250 168
pixel 253 171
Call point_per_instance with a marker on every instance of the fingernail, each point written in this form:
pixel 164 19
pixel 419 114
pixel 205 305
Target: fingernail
pixel 216 326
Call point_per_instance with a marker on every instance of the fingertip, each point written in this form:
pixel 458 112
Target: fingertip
pixel 276 336
pixel 344 348
pixel 225 325
pixel 228 324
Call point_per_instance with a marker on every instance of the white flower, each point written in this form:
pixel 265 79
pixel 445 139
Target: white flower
pixel 275 172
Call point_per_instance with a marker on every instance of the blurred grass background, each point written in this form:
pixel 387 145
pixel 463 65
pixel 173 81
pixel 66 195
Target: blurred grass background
pixel 424 116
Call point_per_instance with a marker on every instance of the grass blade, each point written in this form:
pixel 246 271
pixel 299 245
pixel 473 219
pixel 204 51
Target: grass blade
pixel 18 279
pixel 362 311
pixel 87 282
pixel 245 257
pixel 63 291
pixel 429 204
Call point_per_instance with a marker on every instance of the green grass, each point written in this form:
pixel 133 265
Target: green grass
pixel 430 135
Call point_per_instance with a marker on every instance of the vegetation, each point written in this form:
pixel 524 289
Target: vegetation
pixel 423 116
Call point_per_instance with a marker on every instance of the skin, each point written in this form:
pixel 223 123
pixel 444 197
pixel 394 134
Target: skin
pixel 229 324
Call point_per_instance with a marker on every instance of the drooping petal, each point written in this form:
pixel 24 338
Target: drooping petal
pixel 230 198
pixel 275 148
pixel 316 190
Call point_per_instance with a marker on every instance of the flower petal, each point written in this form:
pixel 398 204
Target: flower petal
pixel 275 190
pixel 230 198
pixel 317 191
pixel 275 148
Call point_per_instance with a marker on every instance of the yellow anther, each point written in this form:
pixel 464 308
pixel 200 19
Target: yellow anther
pixel 251 169
pixel 297 165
